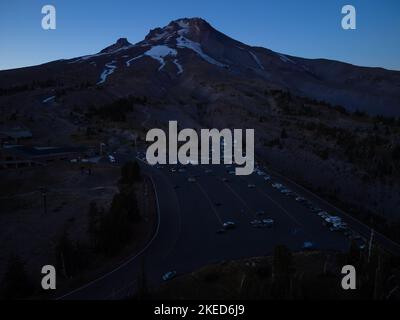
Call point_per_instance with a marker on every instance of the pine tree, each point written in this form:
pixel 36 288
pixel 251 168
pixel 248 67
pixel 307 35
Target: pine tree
pixel 16 284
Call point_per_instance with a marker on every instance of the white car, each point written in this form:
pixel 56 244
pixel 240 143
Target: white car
pixel 228 225
pixel 300 199
pixel 191 179
pixel 268 222
pixel 260 213
pixel 169 275
pixel 111 158
pixel 333 219
pixel 256 223
pixel 323 214
pixel 285 191
pixel 339 227
pixel 308 245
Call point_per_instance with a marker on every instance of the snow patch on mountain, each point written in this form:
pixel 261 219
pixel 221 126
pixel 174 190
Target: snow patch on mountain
pixel 257 60
pixel 128 63
pixel 185 28
pixel 179 66
pixel 158 53
pixel 109 69
pixel 285 58
pixel 182 42
pixel 48 99
pixel 84 58
pixel 88 57
pixel 160 36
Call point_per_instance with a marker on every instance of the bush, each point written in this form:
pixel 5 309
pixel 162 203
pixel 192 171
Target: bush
pixel 115 227
pixel 130 173
pixel 16 284
pixel 71 258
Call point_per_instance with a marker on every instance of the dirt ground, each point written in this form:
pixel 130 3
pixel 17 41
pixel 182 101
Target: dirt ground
pixel 31 233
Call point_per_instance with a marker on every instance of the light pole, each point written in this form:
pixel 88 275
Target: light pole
pixel 101 147
pixel 44 197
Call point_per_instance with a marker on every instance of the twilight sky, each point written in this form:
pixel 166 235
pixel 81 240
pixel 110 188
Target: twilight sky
pixel 309 28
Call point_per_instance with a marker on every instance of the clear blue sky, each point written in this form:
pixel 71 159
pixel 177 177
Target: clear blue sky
pixel 309 28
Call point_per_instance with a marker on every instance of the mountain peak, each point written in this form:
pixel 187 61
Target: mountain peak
pixel 191 22
pixel 120 43
pixel 193 26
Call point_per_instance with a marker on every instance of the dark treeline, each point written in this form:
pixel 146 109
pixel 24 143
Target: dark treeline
pixel 43 84
pixel 288 276
pixel 116 110
pixel 109 230
pixel 35 84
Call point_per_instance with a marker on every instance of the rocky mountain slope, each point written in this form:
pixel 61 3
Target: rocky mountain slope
pixel 302 110
pixel 188 51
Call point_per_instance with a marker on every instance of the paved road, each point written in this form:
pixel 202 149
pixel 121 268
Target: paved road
pixel 190 213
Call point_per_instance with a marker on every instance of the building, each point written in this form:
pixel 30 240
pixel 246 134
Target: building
pixel 18 156
pixel 15 134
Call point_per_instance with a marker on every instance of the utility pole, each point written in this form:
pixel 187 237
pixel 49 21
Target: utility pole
pixel 370 244
pixel 101 147
pixel 44 197
pixel 377 287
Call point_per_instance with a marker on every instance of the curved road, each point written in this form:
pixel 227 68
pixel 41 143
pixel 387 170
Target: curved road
pixel 190 213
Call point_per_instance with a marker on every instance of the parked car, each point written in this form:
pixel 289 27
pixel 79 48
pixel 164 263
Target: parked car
pixel 300 199
pixel 323 214
pixel 111 158
pixel 268 222
pixel 169 275
pixel 256 223
pixel 339 227
pixel 308 245
pixel 228 225
pixel 260 213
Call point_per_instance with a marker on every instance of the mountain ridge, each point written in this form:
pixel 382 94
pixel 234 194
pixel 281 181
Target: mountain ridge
pixel 191 46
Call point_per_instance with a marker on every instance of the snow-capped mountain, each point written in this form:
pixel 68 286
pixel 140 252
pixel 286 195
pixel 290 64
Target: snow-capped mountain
pixel 187 52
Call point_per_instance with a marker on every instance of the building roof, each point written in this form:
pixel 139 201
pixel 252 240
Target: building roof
pixel 16 133
pixel 37 152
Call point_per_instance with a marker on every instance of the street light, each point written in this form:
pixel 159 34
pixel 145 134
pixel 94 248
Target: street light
pixel 101 147
pixel 44 197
